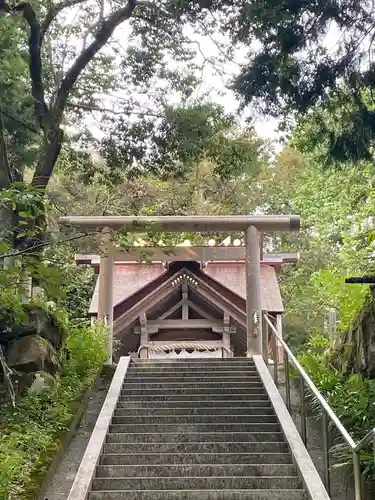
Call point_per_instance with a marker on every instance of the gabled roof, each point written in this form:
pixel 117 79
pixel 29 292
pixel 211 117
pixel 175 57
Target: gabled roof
pixel 128 279
pixel 157 297
pixel 133 279
pixel 233 276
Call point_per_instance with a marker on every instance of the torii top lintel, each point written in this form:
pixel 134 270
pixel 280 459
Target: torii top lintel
pixel 195 223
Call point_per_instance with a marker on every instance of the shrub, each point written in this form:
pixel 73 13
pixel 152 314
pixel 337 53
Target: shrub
pixel 30 434
pixel 351 397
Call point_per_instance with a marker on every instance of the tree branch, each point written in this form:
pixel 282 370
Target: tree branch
pixel 23 124
pixel 105 31
pixel 35 62
pixel 53 12
pixel 54 136
pixel 48 243
pixel 122 112
pixel 4 161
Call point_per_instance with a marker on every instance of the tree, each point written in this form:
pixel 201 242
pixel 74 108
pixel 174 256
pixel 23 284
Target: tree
pixel 18 133
pixel 198 161
pixel 336 238
pixel 77 71
pixel 295 67
pixel 173 145
pixel 75 64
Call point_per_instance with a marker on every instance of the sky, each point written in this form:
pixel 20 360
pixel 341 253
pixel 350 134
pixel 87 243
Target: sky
pixel 212 83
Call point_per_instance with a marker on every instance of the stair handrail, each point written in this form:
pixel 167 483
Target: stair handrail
pixel 328 414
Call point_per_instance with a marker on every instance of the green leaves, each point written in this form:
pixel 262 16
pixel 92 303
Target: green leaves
pixel 30 434
pixel 352 398
pixel 183 137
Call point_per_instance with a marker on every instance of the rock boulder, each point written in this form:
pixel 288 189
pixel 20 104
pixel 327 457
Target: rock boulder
pixel 354 350
pixel 32 354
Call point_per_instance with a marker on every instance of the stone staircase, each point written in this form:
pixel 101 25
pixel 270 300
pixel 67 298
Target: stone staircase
pixel 199 429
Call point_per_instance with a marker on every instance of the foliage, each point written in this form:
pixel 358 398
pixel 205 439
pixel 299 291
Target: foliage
pixel 29 434
pixel 335 241
pixel 308 53
pixel 181 139
pixel 352 399
pixel 339 131
pixel 80 67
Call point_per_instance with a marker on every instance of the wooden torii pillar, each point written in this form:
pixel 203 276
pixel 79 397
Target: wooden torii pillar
pixel 252 225
pixel 105 294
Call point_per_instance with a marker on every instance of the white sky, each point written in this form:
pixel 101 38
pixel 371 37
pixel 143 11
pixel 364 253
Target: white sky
pixel 212 83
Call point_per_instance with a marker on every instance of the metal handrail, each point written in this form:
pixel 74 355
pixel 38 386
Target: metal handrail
pixel 370 436
pixel 328 413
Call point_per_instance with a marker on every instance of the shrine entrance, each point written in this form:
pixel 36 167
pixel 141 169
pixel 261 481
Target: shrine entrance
pixel 187 302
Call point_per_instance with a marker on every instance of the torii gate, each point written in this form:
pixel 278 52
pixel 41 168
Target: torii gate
pixel 251 225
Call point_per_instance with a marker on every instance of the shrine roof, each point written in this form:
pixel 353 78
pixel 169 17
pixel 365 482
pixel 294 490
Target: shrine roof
pixel 131 278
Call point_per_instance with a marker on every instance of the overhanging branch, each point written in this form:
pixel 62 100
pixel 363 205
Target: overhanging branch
pixel 53 12
pixel 102 36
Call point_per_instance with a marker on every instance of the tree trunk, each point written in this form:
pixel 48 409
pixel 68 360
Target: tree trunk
pixel 52 146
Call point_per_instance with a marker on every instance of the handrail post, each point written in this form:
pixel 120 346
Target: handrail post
pixel 265 337
pixel 357 475
pixel 303 410
pixel 287 382
pixel 275 361
pixel 327 475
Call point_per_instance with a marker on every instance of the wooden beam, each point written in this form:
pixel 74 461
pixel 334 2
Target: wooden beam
pixel 151 331
pixel 182 324
pixel 185 306
pixel 171 310
pixel 212 343
pixel 200 311
pixel 200 254
pixel 145 304
pixel 187 223
pixel 221 303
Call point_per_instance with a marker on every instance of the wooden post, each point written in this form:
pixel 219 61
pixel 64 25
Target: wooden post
pixel 279 328
pixel 226 335
pixel 253 295
pixel 144 335
pixel 105 300
pixel 265 335
pixel 185 298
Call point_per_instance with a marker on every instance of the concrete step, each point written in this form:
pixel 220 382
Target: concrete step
pixel 165 412
pixel 180 361
pixel 190 428
pixel 124 418
pixel 179 389
pixel 204 363
pixel 191 377
pixel 194 397
pixel 187 470
pixel 274 494
pixel 186 437
pixel 197 447
pixel 193 369
pixel 195 403
pixel 196 386
pixel 196 483
pixel 195 458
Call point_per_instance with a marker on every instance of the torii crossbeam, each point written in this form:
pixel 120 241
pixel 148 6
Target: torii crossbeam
pixel 251 225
